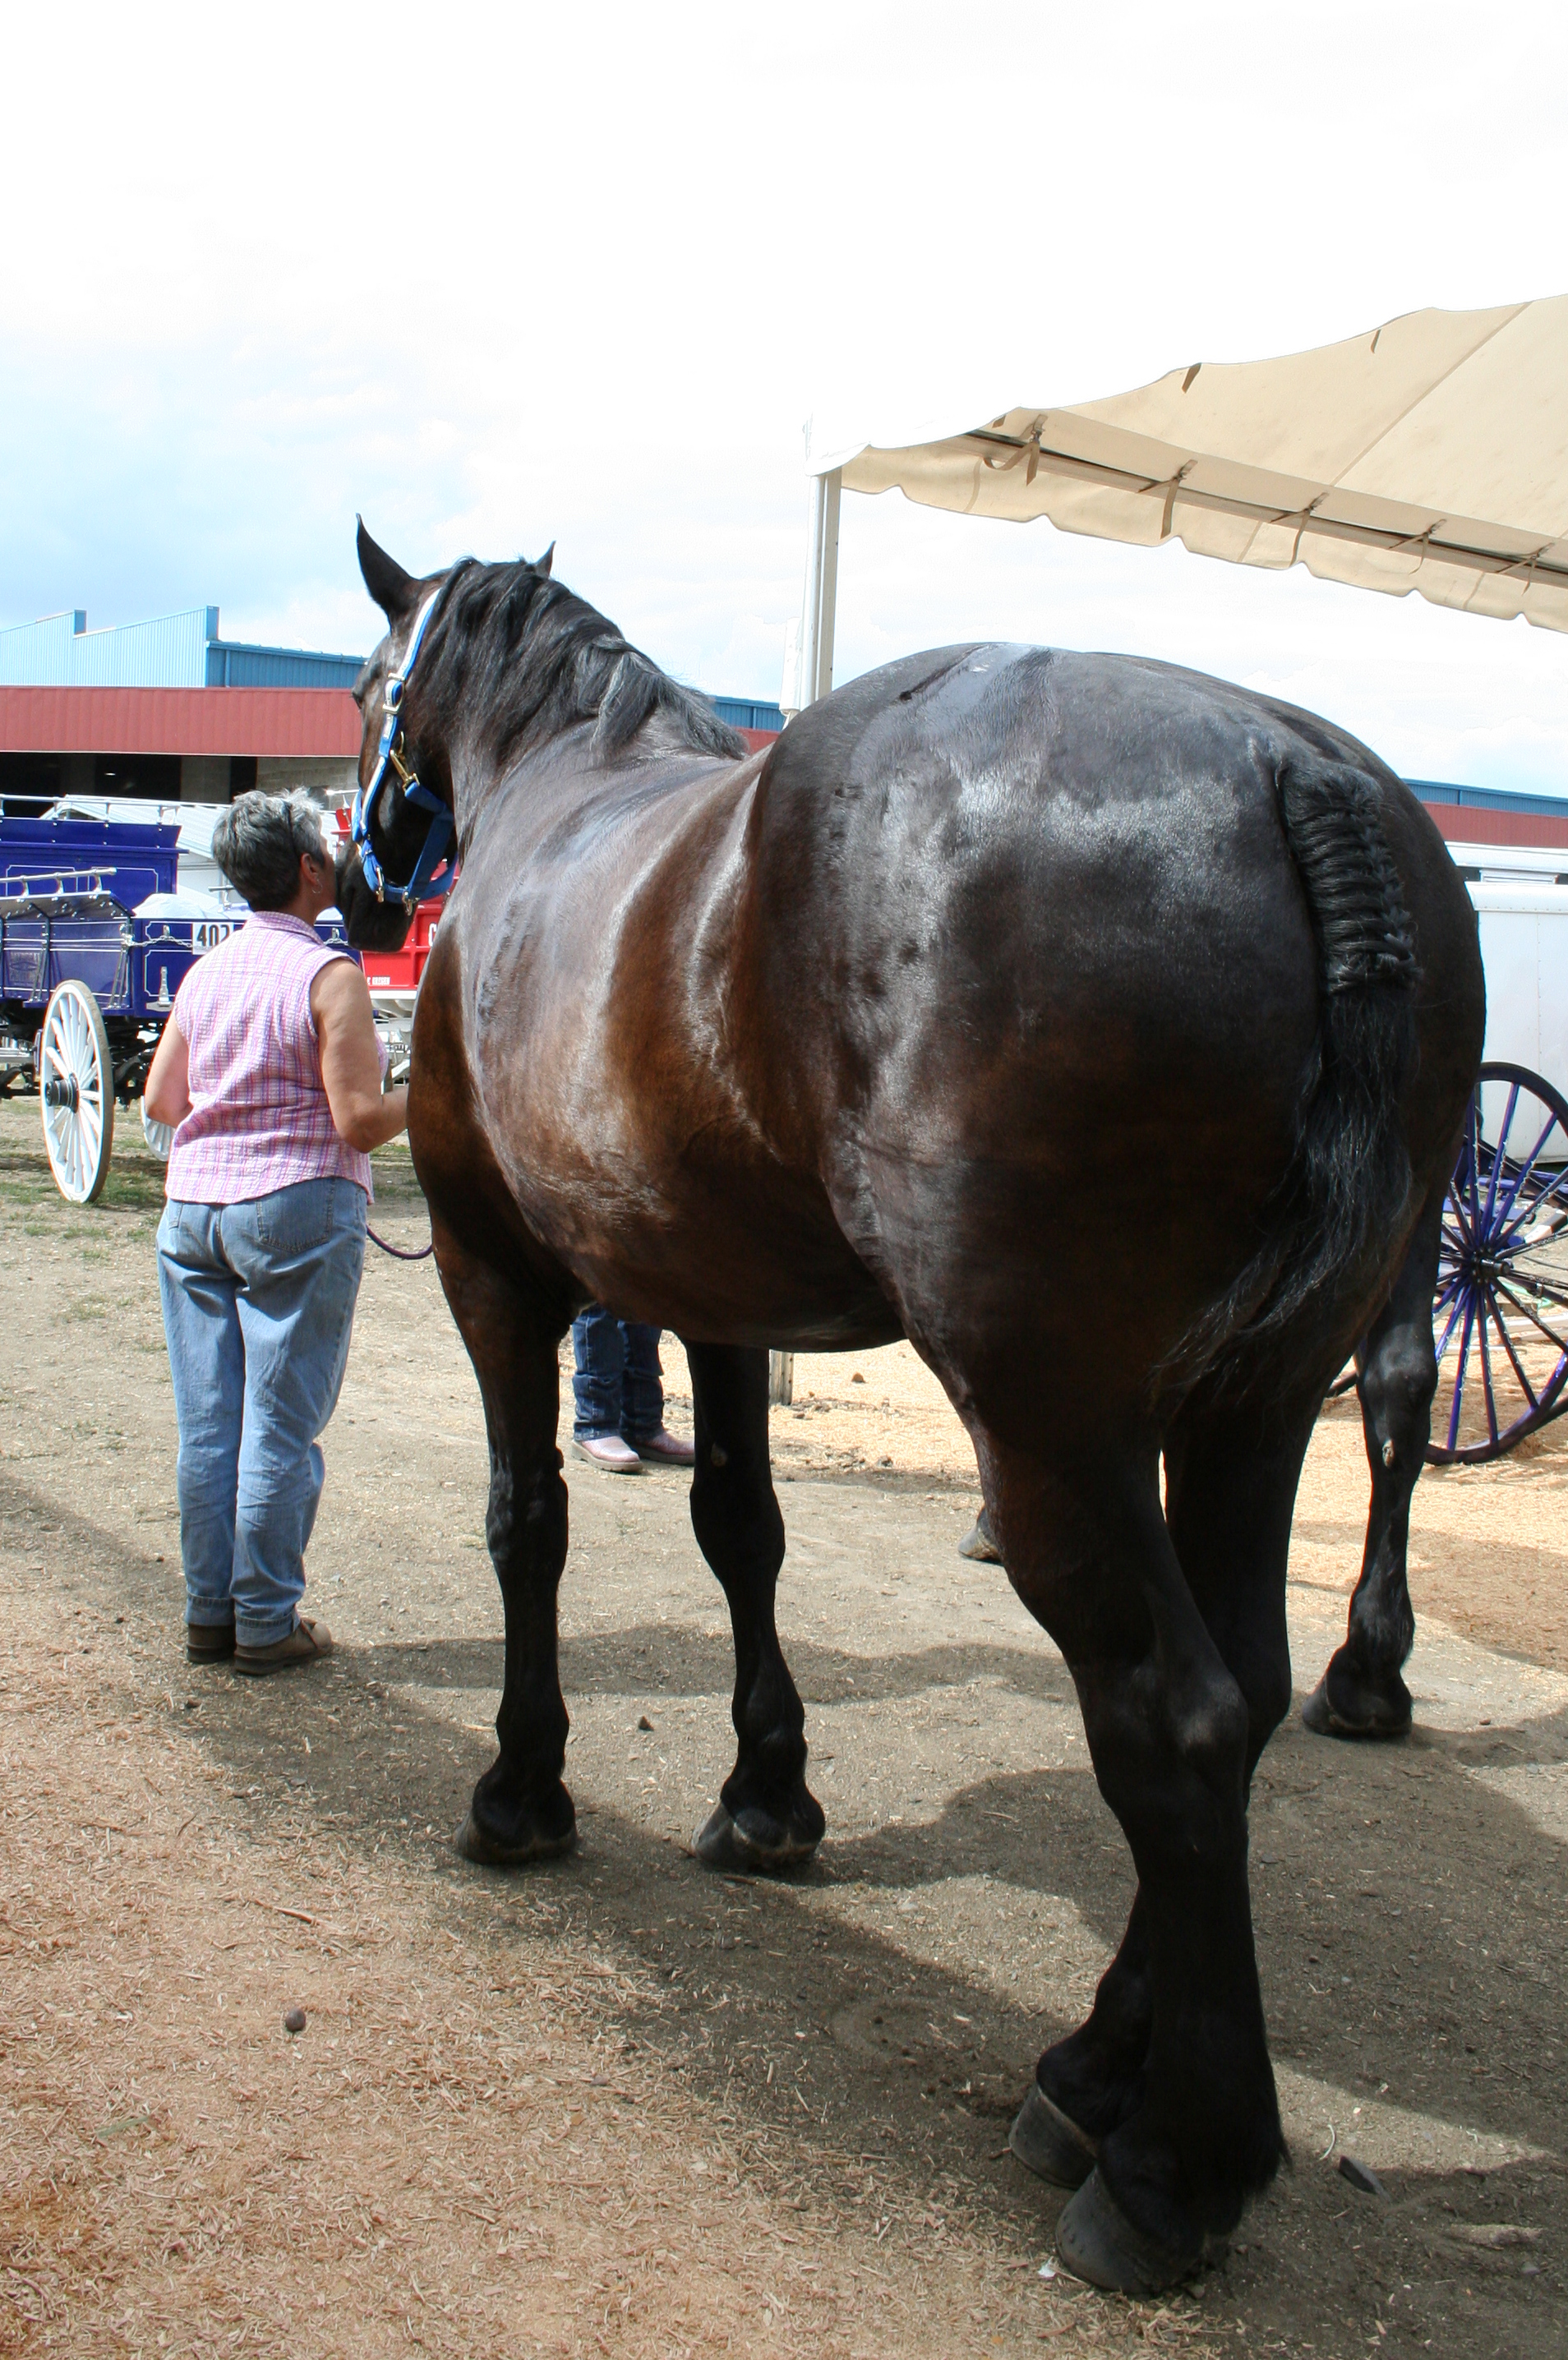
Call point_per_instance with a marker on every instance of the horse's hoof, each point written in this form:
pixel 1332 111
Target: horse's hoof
pixel 471 1842
pixel 978 1544
pixel 1098 2243
pixel 753 1843
pixel 1048 2142
pixel 1366 1713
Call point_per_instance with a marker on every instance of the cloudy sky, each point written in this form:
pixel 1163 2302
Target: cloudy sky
pixel 503 276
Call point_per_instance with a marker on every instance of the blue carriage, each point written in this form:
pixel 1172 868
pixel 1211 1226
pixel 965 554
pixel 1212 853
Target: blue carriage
pixel 98 934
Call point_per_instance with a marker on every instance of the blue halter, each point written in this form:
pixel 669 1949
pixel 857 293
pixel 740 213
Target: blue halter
pixel 418 887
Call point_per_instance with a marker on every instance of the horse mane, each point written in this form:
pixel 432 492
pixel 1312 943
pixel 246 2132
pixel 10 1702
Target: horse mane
pixel 526 660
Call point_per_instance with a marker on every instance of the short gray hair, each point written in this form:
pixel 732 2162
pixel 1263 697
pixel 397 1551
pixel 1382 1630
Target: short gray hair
pixel 258 842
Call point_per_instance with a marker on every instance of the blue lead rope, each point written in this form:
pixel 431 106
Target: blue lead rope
pixel 437 838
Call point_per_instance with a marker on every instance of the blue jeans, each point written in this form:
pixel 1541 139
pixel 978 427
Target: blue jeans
pixel 258 1309
pixel 616 1388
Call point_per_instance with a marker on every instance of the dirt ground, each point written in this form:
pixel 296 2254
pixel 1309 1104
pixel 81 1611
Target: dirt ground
pixel 621 2105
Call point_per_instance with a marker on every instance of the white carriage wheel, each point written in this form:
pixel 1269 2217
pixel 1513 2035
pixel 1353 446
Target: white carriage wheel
pixel 159 1136
pixel 76 1088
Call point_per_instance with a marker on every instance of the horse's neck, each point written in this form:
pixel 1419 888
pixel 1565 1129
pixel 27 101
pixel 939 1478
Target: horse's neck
pixel 546 780
pixel 531 791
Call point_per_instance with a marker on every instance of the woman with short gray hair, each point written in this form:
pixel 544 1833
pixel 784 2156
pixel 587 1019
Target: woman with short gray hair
pixel 271 1073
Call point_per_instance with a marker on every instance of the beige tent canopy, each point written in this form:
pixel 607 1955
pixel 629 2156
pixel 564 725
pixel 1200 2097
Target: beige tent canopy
pixel 1428 454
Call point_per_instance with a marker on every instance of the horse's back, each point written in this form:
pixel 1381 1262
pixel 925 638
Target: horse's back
pixel 1041 913
pixel 1068 862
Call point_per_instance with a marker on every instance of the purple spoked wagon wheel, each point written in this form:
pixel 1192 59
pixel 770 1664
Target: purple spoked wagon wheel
pixel 1501 1311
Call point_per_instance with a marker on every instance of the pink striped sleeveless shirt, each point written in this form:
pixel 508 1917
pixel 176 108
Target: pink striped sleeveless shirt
pixel 259 1118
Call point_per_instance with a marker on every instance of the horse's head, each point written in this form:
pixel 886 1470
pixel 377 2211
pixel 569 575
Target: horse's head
pixel 402 825
pixel 512 659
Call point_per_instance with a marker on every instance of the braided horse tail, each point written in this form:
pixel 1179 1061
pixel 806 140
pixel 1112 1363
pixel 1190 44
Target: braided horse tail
pixel 1348 1180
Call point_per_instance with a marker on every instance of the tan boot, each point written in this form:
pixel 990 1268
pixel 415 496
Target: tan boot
pixel 307 1641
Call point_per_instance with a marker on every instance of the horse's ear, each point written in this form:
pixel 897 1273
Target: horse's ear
pixel 395 592
pixel 542 565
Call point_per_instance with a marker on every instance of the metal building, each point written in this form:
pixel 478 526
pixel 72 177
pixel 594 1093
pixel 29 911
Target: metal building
pixel 183 651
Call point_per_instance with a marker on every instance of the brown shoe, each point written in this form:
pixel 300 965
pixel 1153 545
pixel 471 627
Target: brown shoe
pixel 209 1643
pixel 306 1642
pixel 665 1450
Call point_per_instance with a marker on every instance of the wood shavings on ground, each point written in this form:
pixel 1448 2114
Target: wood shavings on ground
pixel 446 2157
pixel 619 2106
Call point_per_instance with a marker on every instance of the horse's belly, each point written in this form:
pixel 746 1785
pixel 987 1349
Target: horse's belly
pixel 730 1256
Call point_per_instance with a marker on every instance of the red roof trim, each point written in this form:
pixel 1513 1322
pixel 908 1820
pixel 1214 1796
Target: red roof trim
pixel 1472 823
pixel 318 724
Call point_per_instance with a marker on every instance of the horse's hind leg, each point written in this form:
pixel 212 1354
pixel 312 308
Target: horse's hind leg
pixel 1167 2091
pixel 766 1816
pixel 520 1809
pixel 1231 1491
pixel 1362 1693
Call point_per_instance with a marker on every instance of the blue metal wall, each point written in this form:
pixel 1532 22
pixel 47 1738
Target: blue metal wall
pixel 175 652
pixel 232 663
pixel 62 653
pixel 746 713
pixel 1438 791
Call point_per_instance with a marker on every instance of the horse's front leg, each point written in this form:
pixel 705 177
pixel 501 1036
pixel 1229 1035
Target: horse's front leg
pixel 1363 1692
pixel 521 1810
pixel 766 1817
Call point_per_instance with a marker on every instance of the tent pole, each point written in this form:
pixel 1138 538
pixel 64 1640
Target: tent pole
pixel 819 613
pixel 821 588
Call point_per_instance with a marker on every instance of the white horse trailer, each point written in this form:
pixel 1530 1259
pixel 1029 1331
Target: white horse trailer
pixel 1501 1307
pixel 1523 918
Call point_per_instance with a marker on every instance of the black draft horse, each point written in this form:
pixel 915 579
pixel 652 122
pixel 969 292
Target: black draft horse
pixel 1103 1029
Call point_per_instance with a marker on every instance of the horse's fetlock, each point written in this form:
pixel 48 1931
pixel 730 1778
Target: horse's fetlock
pixel 745 1549
pixel 774 1723
pixel 1381 1630
pixel 532 1731
pixel 772 1756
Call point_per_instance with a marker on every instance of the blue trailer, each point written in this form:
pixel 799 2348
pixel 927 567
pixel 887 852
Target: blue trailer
pixel 96 940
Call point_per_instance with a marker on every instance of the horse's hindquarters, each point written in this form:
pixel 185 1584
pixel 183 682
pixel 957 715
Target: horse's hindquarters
pixel 1053 1219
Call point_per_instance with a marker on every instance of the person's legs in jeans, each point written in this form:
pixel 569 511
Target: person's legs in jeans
pixel 299 1253
pixel 206 1361
pixel 599 1350
pixel 642 1393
